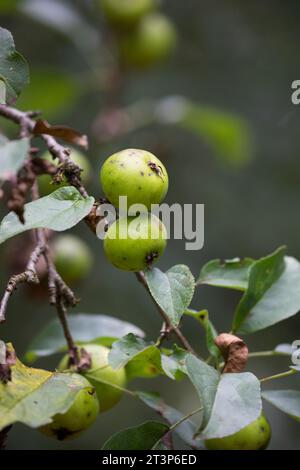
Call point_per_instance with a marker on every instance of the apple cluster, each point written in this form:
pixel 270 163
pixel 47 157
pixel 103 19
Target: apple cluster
pixel 133 243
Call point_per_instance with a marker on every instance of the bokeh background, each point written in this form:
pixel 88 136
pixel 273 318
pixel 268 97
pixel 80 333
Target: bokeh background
pixel 238 58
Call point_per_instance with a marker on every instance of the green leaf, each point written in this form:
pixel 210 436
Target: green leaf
pixel 237 404
pixel 232 274
pixel 34 396
pixel 273 294
pixel 230 401
pixel 186 430
pixel 142 437
pixel 173 290
pixel 85 328
pixel 13 67
pixel 287 401
pixel 12 155
pixel 205 380
pixel 59 211
pixel 228 134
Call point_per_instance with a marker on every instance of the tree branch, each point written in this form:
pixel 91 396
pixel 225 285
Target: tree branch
pixel 57 288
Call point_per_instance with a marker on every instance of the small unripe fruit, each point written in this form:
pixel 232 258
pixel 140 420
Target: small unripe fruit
pixel 255 436
pixel 134 243
pixel 100 375
pixel 150 42
pixel 125 13
pixel 134 173
pixel 45 181
pixel 72 258
pixel 79 416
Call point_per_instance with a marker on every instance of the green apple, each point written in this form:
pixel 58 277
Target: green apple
pixel 255 436
pixel 45 181
pixel 72 257
pixel 150 42
pixel 134 243
pixel 134 173
pixel 79 416
pixel 125 13
pixel 101 376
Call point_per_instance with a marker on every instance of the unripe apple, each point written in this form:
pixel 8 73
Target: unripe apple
pixel 72 257
pixel 101 375
pixel 126 13
pixel 79 416
pixel 134 173
pixel 134 243
pixel 150 42
pixel 255 436
pixel 45 181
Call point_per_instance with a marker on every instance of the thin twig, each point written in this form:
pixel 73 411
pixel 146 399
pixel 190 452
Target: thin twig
pixel 29 276
pixel 279 376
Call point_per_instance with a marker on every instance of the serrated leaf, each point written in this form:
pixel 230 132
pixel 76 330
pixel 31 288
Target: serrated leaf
pixel 230 401
pixel 142 437
pixel 186 430
pixel 12 156
pixel 85 328
pixel 273 294
pixel 173 290
pixel 59 211
pixel 232 274
pixel 13 67
pixel 287 401
pixel 34 396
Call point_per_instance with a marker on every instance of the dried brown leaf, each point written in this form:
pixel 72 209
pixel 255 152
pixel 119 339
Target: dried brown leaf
pixel 62 132
pixel 234 351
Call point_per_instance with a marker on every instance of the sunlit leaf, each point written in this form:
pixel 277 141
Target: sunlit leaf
pixel 34 396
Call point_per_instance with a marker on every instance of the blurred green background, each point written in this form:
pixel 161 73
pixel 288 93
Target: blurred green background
pixel 238 59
